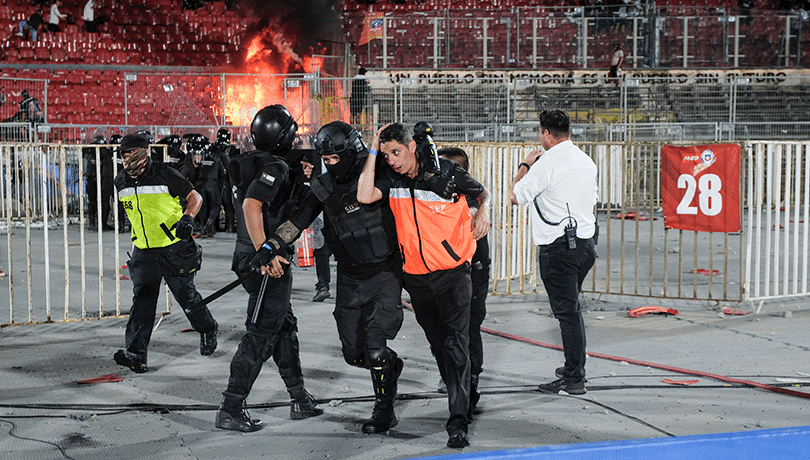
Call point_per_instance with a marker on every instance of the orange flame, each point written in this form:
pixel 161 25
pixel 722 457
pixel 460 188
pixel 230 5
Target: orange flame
pixel 266 79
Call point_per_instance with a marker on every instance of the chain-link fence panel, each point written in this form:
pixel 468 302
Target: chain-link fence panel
pixel 172 98
pixel 23 104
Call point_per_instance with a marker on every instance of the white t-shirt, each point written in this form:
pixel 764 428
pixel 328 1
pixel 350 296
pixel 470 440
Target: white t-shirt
pixel 55 15
pixel 88 11
pixel 562 178
pixel 617 57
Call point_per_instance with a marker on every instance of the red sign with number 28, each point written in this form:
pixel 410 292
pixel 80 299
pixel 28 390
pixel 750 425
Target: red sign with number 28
pixel 700 187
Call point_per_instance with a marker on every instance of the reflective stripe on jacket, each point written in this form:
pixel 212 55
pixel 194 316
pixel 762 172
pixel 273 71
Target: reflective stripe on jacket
pixel 434 233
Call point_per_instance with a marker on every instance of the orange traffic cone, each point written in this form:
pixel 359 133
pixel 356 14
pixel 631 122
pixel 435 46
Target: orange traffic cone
pixel 306 255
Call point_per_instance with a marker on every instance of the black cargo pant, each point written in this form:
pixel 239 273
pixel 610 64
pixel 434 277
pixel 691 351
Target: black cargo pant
pixel 147 269
pixel 275 333
pixel 441 302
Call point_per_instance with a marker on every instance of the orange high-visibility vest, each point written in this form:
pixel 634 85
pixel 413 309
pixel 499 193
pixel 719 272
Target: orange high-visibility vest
pixel 434 233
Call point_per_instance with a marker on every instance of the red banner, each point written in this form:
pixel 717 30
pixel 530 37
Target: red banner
pixel 700 187
pixel 372 28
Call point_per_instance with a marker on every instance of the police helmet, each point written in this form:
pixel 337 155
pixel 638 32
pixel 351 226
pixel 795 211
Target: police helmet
pixel 339 138
pixel 115 139
pixel 223 138
pixel 197 147
pixel 145 133
pixel 174 141
pixel 99 139
pixel 273 128
pixel 196 142
pixel 25 94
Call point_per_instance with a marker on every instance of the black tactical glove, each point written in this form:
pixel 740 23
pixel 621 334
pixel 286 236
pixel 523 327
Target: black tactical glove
pixel 184 227
pixel 265 253
pixel 442 185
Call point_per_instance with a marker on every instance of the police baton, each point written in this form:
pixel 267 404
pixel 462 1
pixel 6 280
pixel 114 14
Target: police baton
pixel 258 305
pixel 222 291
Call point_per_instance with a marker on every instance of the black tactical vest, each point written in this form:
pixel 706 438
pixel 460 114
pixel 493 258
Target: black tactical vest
pixel 356 232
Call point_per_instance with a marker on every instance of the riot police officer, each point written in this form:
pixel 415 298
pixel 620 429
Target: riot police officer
pixel 206 172
pixel 225 151
pixel 269 186
pixel 369 268
pixel 91 173
pixel 163 249
pixel 174 151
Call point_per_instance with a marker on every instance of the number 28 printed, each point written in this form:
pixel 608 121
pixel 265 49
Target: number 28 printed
pixel 707 188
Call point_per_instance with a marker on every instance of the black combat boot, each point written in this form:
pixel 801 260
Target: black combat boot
pixel 208 341
pixel 232 415
pixel 384 379
pixel 302 404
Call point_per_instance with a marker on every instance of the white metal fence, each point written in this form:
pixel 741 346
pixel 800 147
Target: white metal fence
pixel 778 220
pixel 638 256
pixel 44 209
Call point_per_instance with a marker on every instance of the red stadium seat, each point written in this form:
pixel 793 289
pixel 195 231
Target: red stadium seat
pixel 120 57
pixel 27 54
pixel 58 54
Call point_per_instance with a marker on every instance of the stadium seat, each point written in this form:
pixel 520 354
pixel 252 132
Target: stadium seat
pixel 58 54
pixel 75 77
pixel 120 57
pixel 26 51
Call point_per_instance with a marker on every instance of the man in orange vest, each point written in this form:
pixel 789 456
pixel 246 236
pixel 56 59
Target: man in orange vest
pixel 437 238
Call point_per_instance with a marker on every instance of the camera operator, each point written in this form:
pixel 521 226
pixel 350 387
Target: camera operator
pixel 561 185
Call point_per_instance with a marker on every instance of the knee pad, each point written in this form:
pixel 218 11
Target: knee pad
pixel 355 359
pixel 380 357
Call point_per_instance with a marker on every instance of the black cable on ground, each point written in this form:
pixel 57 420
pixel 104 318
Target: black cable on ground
pixel 14 427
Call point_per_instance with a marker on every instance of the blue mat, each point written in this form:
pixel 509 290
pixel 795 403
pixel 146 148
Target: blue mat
pixel 780 443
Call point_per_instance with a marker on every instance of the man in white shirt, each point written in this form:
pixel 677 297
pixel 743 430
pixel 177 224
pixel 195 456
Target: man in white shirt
pixel 560 184
pixel 616 63
pixel 53 21
pixel 89 18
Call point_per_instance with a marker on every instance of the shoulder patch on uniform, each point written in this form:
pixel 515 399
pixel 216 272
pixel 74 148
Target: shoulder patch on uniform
pixel 268 179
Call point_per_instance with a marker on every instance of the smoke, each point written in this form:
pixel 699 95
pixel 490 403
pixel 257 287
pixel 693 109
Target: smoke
pixel 292 28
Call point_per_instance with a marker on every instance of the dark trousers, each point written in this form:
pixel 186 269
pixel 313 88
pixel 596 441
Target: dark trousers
pixel 275 333
pixel 227 203
pixel 322 268
pixel 209 212
pixel 478 306
pixel 146 272
pixel 563 271
pixel 367 313
pixel 441 303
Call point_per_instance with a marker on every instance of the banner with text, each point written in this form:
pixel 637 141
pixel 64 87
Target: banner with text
pixel 700 187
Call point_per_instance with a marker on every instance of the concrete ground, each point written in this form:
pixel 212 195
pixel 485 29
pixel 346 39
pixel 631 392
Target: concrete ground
pixel 699 373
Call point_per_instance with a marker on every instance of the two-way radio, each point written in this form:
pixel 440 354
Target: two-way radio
pixel 570 228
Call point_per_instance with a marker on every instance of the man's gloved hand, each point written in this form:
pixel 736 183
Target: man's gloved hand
pixel 442 185
pixel 184 227
pixel 263 256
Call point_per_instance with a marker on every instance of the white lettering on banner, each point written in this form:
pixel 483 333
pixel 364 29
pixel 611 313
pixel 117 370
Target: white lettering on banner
pixel 710 201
